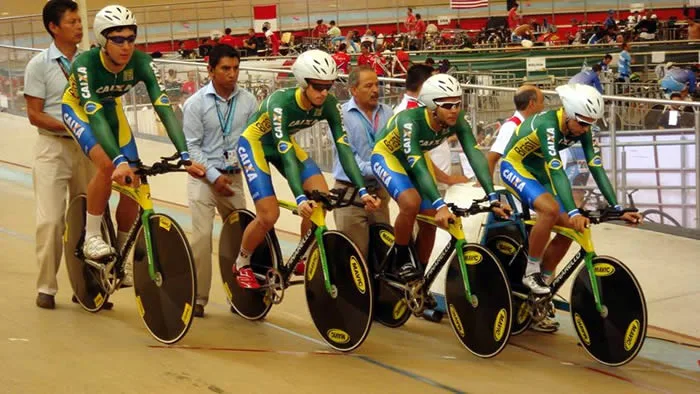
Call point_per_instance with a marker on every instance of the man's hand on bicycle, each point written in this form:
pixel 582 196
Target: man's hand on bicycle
pixel 632 217
pixel 502 210
pixel 371 202
pixel 222 185
pixel 580 223
pixel 444 216
pixel 196 170
pixel 124 172
pixel 306 208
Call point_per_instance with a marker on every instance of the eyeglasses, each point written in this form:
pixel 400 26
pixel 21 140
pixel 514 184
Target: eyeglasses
pixel 581 122
pixel 320 87
pixel 448 105
pixel 120 40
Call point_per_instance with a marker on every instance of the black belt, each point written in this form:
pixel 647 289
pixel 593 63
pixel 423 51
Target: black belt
pixel 230 171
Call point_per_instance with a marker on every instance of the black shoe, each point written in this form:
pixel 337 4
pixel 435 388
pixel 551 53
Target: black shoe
pixel 107 306
pixel 198 310
pixel 404 265
pixel 408 272
pixel 45 301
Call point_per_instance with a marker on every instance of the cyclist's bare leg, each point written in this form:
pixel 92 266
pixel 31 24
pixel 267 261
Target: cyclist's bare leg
pixel 267 213
pixel 409 205
pixel 127 209
pixel 100 186
pixel 426 238
pixel 557 248
pixel 314 182
pixel 547 209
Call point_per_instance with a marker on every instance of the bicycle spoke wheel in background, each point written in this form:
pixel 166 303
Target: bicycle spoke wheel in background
pixel 165 305
pixel 657 217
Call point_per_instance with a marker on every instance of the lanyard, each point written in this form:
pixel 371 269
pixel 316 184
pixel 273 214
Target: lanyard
pixel 226 125
pixel 64 65
pixel 370 128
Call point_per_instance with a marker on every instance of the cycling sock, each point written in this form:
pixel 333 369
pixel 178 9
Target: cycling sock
pixel 548 276
pixel 121 238
pixel 533 265
pixel 243 259
pixel 93 225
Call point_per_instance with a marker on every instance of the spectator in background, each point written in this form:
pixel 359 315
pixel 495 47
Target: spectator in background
pixel 605 63
pixel 321 30
pixel 420 30
pixel 352 45
pixel 204 47
pixel 410 23
pixel 648 26
pixel 251 43
pixel 429 61
pixel 342 59
pixel 190 86
pixel 273 42
pixel 679 80
pixel 334 31
pixel 610 24
pixel 513 17
pixel 366 57
pixel 589 77
pixel 624 64
pixel 227 39
pixel 368 37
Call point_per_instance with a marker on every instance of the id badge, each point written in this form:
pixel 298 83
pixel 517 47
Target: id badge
pixel 231 159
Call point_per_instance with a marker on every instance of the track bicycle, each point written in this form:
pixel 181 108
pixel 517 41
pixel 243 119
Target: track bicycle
pixel 477 289
pixel 163 265
pixel 607 304
pixel 337 283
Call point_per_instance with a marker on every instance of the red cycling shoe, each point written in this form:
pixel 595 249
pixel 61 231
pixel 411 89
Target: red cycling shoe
pixel 245 277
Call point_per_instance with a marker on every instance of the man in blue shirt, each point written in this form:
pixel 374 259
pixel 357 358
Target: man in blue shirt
pixel 213 120
pixel 679 80
pixel 624 63
pixel 610 23
pixel 363 117
pixel 589 77
pixel 605 63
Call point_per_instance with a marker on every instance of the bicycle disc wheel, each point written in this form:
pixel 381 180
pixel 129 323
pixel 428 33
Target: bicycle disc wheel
pixel 343 319
pixel 513 257
pixel 657 217
pixel 390 308
pixel 84 279
pixel 483 327
pixel 616 339
pixel 250 304
pixel 165 305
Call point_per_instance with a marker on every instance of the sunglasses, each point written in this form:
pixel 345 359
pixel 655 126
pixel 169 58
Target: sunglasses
pixel 320 87
pixel 120 40
pixel 582 122
pixel 448 105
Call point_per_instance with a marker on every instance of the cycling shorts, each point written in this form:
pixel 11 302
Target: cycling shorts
pixel 393 176
pixel 76 120
pixel 254 157
pixel 524 185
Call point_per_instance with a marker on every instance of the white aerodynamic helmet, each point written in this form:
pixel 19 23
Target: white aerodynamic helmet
pixel 110 17
pixel 439 86
pixel 581 100
pixel 314 64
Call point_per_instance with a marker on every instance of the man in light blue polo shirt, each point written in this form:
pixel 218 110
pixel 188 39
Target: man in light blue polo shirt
pixel 59 165
pixel 213 120
pixel 363 117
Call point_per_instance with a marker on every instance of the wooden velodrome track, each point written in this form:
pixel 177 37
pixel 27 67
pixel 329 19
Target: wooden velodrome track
pixel 68 350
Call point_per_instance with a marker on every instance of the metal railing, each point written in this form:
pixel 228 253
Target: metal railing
pixel 661 163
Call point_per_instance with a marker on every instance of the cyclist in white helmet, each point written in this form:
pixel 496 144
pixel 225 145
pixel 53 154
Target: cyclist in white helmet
pixel 93 113
pixel 533 171
pixel 400 160
pixel 269 138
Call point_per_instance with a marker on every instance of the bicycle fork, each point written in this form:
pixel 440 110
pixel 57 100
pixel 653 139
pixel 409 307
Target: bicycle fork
pixel 318 217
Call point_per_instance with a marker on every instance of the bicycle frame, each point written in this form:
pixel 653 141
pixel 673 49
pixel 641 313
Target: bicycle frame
pixel 142 196
pixel 318 218
pixel 457 242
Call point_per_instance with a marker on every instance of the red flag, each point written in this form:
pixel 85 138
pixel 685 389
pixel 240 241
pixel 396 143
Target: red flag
pixel 263 14
pixel 462 4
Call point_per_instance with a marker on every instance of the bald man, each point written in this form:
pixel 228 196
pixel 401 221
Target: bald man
pixel 528 101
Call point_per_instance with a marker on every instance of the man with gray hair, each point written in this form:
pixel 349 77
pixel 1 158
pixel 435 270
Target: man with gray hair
pixel 363 117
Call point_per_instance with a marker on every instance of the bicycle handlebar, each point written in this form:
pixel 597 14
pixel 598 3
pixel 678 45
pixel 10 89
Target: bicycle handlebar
pixel 163 166
pixel 473 209
pixel 335 198
pixel 606 214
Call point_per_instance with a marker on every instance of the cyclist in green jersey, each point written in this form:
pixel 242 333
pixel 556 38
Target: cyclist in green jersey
pixel 93 113
pixel 269 138
pixel 400 161
pixel 533 171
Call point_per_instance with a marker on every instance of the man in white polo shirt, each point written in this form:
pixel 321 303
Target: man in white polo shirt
pixel 528 101
pixel 59 165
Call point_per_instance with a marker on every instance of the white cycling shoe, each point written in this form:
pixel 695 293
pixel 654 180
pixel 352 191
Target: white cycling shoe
pixel 536 284
pixel 96 248
pixel 128 273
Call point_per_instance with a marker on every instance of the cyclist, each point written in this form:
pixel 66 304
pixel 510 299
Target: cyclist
pixel 400 163
pixel 93 113
pixel 679 80
pixel 533 171
pixel 269 138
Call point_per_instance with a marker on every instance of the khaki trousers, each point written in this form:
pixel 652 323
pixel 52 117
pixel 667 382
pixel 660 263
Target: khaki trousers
pixel 354 221
pixel 59 167
pixel 202 200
